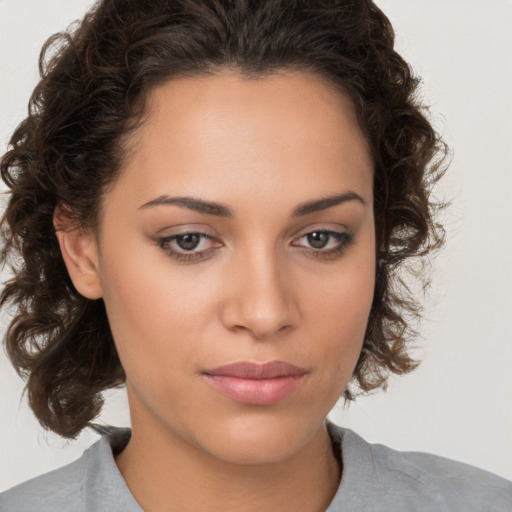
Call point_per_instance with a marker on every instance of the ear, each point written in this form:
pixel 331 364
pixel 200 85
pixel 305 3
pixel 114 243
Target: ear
pixel 79 250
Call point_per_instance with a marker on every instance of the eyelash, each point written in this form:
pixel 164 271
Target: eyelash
pixel 164 243
pixel 344 241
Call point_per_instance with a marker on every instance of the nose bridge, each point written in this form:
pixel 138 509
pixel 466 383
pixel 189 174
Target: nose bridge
pixel 261 299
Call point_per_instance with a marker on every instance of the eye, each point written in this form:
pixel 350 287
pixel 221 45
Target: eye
pixel 187 246
pixel 324 243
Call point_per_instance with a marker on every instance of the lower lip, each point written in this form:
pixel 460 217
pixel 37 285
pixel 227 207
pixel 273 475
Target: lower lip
pixel 255 391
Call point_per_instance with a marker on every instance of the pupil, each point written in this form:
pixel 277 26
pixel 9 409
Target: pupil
pixel 317 239
pixel 188 242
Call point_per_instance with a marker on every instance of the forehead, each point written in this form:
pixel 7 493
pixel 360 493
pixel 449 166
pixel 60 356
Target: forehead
pixel 283 132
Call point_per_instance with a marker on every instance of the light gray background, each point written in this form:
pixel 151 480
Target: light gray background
pixel 458 403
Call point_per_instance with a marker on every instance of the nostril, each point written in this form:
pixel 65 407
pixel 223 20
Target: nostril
pixel 260 325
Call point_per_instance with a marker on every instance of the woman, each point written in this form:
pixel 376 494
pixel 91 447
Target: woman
pixel 213 202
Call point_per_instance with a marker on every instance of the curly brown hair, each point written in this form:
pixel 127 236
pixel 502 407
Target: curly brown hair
pixel 95 79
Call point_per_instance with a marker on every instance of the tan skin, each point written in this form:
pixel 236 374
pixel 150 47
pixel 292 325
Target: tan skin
pixel 258 286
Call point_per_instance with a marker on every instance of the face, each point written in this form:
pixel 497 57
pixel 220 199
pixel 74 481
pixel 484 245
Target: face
pixel 237 260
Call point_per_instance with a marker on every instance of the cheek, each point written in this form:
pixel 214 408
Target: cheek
pixel 163 318
pixel 342 319
pixel 339 310
pixel 154 316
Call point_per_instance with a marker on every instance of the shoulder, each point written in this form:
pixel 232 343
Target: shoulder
pixel 421 481
pixel 453 485
pixel 58 490
pixel 92 482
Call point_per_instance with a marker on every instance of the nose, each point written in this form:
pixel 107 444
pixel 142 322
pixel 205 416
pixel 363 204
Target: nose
pixel 260 300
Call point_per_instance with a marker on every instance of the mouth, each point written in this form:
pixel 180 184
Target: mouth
pixel 254 383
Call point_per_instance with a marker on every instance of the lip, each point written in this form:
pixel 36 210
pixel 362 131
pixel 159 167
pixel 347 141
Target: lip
pixel 256 383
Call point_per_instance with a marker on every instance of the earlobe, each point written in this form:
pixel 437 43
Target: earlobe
pixel 80 254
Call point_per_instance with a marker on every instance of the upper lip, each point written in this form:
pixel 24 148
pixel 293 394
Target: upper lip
pixel 250 370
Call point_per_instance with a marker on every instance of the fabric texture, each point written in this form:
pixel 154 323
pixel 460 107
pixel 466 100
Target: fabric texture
pixel 375 479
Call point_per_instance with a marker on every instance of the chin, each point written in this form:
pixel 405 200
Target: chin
pixel 247 442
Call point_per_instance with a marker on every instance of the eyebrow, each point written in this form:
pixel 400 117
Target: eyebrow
pixel 326 202
pixel 192 203
pixel 220 210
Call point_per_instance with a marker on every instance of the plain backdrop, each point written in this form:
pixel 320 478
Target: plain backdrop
pixel 458 403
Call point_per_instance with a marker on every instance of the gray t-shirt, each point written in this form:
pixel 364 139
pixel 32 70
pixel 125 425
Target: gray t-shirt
pixel 375 479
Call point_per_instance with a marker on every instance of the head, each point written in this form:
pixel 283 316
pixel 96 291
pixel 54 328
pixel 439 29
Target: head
pixel 234 104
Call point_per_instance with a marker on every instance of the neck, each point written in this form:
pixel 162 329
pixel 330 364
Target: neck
pixel 165 473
